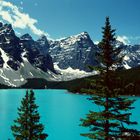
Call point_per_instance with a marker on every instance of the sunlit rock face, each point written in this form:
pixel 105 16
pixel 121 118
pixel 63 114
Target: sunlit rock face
pixel 76 52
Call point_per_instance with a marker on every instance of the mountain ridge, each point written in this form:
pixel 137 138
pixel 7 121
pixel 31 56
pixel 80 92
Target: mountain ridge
pixel 22 57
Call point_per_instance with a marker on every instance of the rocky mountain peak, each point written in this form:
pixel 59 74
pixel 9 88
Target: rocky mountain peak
pixel 26 37
pixel 79 38
pixel 74 51
pixel 1 24
pixel 43 44
pixel 16 53
pixel 43 41
pixel 83 35
pixel 6 28
pixel 6 33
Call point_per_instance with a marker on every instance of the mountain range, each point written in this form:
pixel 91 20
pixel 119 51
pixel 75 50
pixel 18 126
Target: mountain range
pixel 23 58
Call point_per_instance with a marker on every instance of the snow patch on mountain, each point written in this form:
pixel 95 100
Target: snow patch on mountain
pixel 5 58
pixel 131 56
pixel 126 66
pixel 126 57
pixel 69 73
pixel 17 78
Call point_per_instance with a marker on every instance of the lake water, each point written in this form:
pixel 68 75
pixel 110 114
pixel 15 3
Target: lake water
pixel 60 112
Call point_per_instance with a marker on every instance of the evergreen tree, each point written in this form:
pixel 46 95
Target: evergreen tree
pixel 114 110
pixel 27 125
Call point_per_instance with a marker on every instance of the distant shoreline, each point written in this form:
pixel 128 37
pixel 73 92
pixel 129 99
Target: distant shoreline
pixel 74 86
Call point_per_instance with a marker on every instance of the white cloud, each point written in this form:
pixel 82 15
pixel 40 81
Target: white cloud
pixel 129 39
pixel 123 39
pixel 6 15
pixel 18 19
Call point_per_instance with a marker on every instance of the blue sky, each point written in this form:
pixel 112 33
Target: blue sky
pixel 62 18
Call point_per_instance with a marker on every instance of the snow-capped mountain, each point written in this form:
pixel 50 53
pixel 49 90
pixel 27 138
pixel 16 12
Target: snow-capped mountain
pixel 131 56
pixel 64 59
pixel 75 52
pixel 20 58
pixel 78 51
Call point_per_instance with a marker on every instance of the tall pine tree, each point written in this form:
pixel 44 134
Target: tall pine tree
pixel 114 110
pixel 27 125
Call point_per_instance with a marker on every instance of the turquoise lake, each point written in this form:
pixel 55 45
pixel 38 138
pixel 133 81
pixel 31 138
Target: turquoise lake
pixel 60 112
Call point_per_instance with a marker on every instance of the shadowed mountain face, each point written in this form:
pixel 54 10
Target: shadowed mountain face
pixel 36 54
pixel 14 48
pixel 23 58
pixel 10 49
